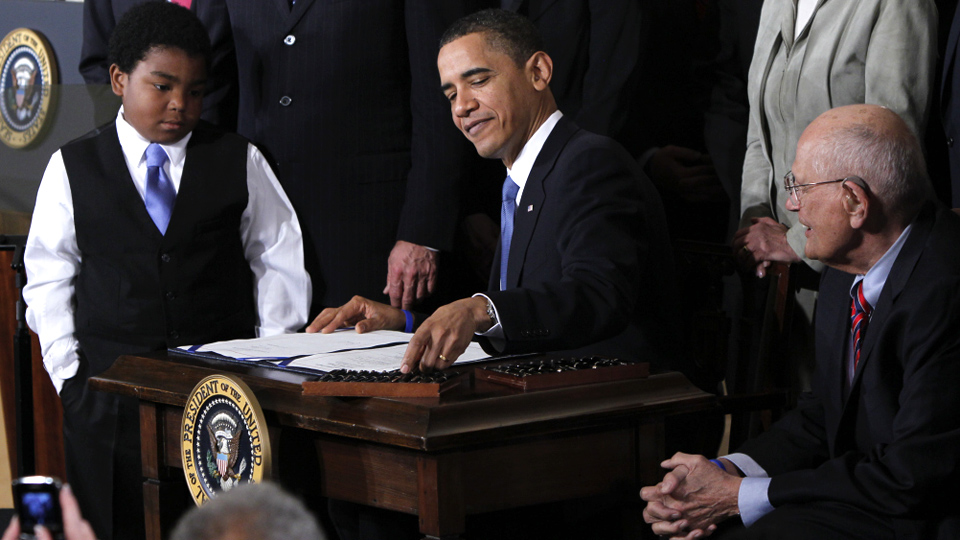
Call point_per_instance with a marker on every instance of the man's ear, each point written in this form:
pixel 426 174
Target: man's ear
pixel 540 70
pixel 118 79
pixel 856 203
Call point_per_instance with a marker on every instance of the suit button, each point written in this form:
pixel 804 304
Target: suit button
pixel 950 142
pixel 174 334
pixel 171 295
pixel 285 100
pixel 165 258
pixel 289 40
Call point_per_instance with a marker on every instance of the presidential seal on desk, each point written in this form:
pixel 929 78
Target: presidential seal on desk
pixel 224 437
pixel 28 72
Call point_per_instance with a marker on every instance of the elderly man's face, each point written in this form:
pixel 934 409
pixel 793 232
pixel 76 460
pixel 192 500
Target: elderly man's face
pixel 829 234
pixel 491 98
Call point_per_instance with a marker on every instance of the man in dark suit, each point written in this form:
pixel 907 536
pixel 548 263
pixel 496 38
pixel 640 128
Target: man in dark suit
pixel 949 103
pixel 220 99
pixel 588 265
pixel 595 46
pixel 873 451
pixel 342 97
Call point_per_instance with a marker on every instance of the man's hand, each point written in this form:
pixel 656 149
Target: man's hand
pixel 763 242
pixel 692 498
pixel 685 172
pixel 443 337
pixel 411 274
pixel 363 314
pixel 74 526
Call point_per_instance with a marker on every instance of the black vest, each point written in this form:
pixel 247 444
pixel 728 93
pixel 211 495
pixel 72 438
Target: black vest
pixel 138 290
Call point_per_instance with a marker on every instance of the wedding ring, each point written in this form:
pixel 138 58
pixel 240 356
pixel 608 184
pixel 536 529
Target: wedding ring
pixel 442 357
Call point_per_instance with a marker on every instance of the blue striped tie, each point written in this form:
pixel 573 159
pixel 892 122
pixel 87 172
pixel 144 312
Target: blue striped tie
pixel 507 211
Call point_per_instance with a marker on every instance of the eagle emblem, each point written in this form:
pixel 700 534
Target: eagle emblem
pixel 224 437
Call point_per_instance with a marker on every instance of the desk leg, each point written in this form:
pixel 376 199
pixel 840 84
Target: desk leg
pixel 651 447
pixel 150 452
pixel 165 496
pixel 440 506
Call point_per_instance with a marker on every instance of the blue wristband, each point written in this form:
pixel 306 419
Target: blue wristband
pixel 409 327
pixel 718 464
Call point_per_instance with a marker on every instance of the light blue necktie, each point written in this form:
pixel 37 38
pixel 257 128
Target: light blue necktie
pixel 159 195
pixel 507 211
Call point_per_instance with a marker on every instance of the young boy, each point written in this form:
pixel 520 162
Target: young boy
pixel 151 232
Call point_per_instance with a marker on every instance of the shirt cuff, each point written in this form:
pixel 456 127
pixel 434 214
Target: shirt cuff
pixel 747 465
pixel 753 500
pixel 61 361
pixel 495 333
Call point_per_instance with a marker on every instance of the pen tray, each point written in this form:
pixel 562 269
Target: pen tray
pixel 544 373
pixel 348 383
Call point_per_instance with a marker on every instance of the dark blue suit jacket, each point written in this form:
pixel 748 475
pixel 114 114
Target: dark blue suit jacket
pixel 344 97
pixel 892 447
pixel 590 265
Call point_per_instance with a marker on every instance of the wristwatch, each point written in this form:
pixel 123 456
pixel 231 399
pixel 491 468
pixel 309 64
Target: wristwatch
pixel 491 312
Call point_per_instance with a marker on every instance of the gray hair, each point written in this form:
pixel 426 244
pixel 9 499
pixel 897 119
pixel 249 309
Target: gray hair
pixel 888 158
pixel 249 511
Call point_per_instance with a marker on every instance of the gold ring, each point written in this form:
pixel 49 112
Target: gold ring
pixel 746 249
pixel 442 357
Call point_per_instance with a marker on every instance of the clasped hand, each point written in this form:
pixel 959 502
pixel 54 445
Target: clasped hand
pixel 691 499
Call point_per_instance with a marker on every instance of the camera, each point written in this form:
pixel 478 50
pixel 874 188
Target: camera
pixel 37 502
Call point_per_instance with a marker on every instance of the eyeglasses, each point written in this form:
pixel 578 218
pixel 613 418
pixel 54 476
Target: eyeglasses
pixel 793 188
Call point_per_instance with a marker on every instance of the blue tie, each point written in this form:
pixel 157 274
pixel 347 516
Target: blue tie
pixel 507 211
pixel 159 195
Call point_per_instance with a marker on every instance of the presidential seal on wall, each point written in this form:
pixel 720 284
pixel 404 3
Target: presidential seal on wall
pixel 224 437
pixel 28 72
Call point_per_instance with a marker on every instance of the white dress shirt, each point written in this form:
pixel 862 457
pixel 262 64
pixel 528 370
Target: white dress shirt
pixel 269 230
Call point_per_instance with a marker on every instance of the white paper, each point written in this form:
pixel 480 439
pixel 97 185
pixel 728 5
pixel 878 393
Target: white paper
pixel 290 345
pixel 382 359
pixel 381 350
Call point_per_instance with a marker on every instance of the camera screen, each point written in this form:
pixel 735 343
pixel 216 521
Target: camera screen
pixel 36 509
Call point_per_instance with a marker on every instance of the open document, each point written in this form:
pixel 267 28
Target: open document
pixel 381 350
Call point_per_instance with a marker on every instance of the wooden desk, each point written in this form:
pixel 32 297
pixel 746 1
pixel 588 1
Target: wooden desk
pixel 478 448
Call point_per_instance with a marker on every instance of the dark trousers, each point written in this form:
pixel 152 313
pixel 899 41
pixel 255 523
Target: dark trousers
pixel 102 443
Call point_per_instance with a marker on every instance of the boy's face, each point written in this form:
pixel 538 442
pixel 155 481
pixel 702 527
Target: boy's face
pixel 163 96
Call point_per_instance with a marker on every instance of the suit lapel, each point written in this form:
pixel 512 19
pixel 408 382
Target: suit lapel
pixel 896 281
pixel 292 15
pixel 531 203
pixel 835 317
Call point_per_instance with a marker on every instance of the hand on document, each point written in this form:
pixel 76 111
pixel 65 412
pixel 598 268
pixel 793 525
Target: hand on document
pixel 363 314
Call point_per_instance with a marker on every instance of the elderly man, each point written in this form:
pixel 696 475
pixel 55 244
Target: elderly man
pixel 584 262
pixel 873 451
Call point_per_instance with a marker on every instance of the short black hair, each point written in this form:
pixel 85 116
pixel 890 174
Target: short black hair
pixel 157 25
pixel 509 33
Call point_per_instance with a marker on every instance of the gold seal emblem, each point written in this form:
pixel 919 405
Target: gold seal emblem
pixel 224 437
pixel 28 71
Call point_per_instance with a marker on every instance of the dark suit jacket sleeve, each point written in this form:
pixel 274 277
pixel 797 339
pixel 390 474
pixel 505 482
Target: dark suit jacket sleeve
pixel 610 81
pixel 591 220
pixel 431 205
pixel 901 455
pixel 98 23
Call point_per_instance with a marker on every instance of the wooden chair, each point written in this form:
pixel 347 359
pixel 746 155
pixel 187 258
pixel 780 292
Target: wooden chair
pixel 746 350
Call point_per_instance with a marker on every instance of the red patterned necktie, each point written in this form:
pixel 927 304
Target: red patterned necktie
pixel 860 316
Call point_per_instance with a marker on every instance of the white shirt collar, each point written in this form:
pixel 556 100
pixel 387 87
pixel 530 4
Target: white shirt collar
pixel 876 277
pixel 135 145
pixel 528 154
